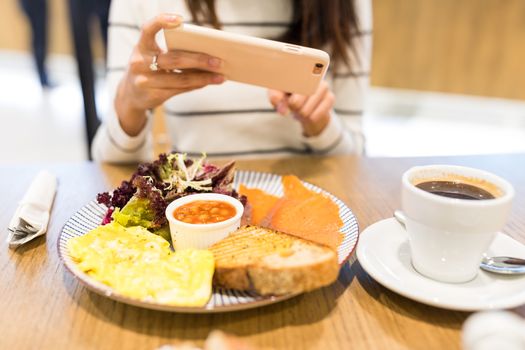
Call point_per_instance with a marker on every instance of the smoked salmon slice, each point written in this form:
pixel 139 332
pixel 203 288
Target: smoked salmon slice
pixel 260 203
pixel 307 214
pixel 300 212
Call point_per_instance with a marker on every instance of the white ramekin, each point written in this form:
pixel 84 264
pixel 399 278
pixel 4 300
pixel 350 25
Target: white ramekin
pixel 201 236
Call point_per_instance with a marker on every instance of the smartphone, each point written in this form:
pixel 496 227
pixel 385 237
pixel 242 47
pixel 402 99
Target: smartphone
pixel 262 62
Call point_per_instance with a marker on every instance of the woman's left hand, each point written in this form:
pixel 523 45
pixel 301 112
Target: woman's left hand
pixel 313 112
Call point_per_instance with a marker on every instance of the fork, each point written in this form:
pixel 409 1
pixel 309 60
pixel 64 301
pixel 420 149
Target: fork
pixel 23 229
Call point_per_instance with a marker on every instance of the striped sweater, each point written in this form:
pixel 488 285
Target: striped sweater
pixel 233 119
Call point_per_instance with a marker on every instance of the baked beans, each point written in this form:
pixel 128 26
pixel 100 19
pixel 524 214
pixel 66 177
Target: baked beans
pixel 204 212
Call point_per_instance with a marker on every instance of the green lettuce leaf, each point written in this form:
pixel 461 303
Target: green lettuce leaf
pixel 137 212
pixel 164 232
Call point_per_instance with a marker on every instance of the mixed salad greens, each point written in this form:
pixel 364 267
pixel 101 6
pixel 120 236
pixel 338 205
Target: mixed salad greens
pixel 142 200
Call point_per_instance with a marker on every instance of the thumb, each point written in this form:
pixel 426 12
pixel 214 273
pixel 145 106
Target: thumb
pixel 147 41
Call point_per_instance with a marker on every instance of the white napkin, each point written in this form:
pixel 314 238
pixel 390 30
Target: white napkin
pixel 32 214
pixel 489 330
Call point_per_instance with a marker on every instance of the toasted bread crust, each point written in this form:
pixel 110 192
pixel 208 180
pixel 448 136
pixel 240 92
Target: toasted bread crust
pixel 272 263
pixel 232 277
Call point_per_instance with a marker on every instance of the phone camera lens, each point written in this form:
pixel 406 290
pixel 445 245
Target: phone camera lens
pixel 318 68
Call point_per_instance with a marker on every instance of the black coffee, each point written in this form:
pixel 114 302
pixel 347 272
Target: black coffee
pixel 454 189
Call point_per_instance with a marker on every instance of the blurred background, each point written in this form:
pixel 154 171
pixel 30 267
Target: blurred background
pixel 447 78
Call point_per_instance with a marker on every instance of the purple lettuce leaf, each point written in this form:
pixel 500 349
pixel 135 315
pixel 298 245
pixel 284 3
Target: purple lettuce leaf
pixel 155 182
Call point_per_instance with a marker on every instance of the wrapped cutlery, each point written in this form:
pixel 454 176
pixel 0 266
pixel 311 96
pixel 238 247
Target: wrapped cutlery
pixel 32 214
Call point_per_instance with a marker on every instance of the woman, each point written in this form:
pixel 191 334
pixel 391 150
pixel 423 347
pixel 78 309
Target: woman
pixel 206 113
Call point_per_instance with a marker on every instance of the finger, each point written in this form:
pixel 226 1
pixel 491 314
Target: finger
pixel 296 101
pixel 147 41
pixel 186 80
pixel 314 100
pixel 323 108
pixel 275 97
pixel 188 60
pixel 279 100
pixel 166 94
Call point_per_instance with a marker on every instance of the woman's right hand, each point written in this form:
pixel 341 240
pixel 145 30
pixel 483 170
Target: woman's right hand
pixel 141 88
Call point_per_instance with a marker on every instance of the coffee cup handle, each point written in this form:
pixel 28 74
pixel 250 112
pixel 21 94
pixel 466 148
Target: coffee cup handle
pixel 400 217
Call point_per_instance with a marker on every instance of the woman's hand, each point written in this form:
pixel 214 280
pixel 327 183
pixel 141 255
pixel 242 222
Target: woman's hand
pixel 142 89
pixel 313 112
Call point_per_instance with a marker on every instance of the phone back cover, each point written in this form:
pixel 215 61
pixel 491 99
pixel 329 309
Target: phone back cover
pixel 256 61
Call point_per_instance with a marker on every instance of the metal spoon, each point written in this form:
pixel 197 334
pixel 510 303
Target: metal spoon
pixel 497 264
pixel 503 264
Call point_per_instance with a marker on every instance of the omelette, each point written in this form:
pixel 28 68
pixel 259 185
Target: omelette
pixel 139 264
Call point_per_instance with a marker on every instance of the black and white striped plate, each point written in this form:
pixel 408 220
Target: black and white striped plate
pixel 222 300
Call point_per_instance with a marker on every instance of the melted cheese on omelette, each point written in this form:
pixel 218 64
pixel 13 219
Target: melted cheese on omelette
pixel 139 264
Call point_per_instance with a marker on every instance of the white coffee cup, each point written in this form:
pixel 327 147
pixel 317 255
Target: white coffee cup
pixel 448 236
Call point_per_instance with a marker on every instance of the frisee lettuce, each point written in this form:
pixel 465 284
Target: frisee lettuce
pixel 142 200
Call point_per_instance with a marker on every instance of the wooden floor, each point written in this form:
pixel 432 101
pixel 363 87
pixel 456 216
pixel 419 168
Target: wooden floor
pixel 459 46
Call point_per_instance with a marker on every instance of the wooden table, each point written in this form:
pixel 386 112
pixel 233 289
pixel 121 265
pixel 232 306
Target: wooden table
pixel 42 306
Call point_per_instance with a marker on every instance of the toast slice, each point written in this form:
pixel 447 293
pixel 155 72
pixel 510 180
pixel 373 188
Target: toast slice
pixel 272 263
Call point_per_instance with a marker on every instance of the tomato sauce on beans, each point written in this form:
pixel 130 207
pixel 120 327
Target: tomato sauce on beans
pixel 204 212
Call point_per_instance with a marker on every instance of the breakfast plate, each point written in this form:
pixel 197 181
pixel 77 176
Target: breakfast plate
pixel 222 300
pixel 384 253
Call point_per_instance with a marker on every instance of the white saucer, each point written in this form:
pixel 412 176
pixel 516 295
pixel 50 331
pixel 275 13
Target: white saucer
pixel 384 253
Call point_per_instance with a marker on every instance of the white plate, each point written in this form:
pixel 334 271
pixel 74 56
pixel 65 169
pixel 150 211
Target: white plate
pixel 384 253
pixel 222 300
